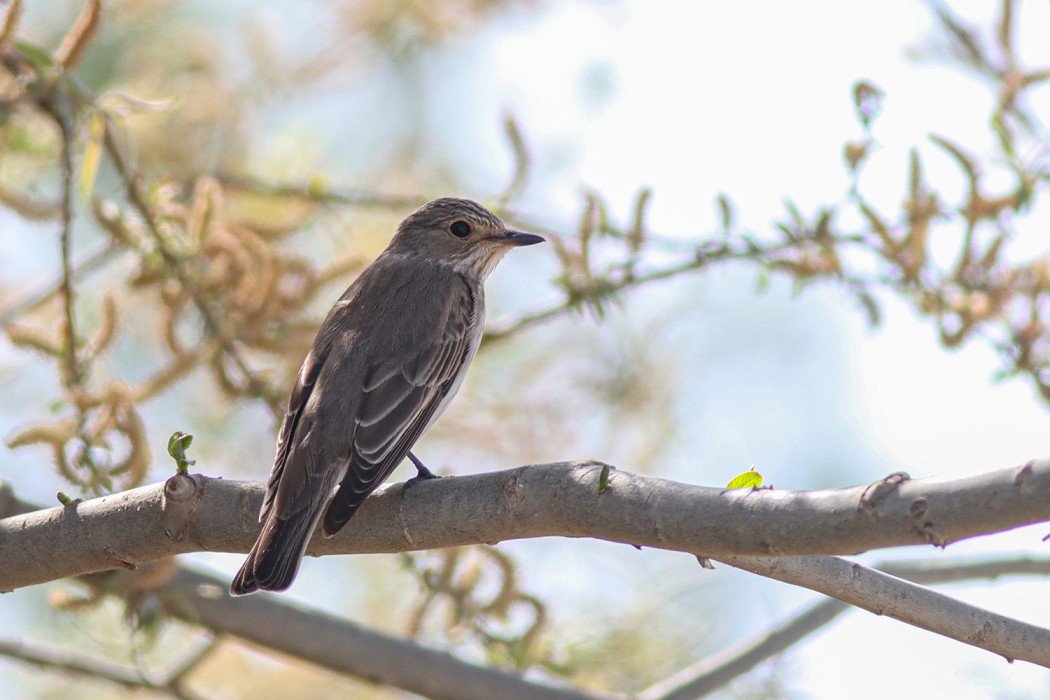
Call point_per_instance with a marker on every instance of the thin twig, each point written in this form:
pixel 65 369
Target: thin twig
pixel 701 259
pixel 91 262
pixel 318 193
pixel 77 664
pixel 211 322
pixel 719 670
pixel 522 160
pixel 60 109
pixel 194 659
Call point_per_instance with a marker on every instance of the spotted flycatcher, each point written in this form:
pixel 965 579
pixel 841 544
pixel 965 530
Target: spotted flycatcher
pixel 387 360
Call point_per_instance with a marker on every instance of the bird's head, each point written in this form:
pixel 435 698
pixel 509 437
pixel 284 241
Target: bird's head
pixel 460 233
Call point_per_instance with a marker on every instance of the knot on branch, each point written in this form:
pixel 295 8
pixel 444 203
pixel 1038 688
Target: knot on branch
pixel 180 488
pixel 181 499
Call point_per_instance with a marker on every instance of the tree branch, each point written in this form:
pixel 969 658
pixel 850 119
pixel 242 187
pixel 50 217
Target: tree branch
pixel 188 505
pixel 194 513
pixel 916 605
pixel 344 647
pixel 310 635
pixel 91 667
pixel 717 671
pixel 72 663
pixel 712 673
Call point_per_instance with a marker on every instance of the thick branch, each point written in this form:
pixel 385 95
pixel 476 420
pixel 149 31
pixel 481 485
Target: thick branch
pixel 196 513
pixel 344 647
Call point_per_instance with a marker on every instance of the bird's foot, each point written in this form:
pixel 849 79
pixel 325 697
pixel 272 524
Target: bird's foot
pixel 422 473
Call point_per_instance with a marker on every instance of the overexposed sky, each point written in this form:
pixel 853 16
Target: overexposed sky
pixel 753 100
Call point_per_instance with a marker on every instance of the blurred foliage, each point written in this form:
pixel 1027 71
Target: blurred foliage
pixel 472 595
pixel 142 122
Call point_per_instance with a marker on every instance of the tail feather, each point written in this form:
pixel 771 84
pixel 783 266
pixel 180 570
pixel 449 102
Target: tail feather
pixel 244 582
pixel 339 512
pixel 274 560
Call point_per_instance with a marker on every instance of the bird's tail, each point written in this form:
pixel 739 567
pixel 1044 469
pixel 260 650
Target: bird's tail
pixel 274 560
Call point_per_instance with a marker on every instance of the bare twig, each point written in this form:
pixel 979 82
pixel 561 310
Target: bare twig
pixel 138 199
pixel 522 160
pixel 717 671
pixel 722 252
pixel 76 42
pixel 318 193
pixel 12 13
pixel 88 264
pixel 916 605
pixel 63 113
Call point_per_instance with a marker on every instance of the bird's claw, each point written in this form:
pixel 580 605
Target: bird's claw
pixel 422 473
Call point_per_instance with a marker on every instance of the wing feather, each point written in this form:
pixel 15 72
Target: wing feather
pixel 304 385
pixel 402 398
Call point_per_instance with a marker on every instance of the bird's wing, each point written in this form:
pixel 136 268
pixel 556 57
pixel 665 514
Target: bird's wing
pixel 300 482
pixel 304 385
pixel 402 397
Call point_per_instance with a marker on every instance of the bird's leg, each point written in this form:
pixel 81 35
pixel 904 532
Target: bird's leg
pixel 422 473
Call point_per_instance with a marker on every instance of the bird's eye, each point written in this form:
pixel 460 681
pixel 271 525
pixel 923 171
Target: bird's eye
pixel 460 229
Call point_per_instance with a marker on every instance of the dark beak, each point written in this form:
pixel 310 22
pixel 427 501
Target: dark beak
pixel 517 238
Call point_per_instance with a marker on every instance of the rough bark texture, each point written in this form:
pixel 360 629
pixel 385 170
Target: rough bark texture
pixel 197 513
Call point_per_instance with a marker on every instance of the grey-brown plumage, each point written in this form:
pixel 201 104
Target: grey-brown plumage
pixel 389 357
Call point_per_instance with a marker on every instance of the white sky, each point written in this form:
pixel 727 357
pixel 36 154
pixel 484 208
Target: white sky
pixel 753 99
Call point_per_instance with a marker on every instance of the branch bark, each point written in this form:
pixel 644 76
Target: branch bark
pixel 917 605
pixel 185 511
pixel 194 512
pixel 710 674
pixel 197 513
pixel 345 647
pixel 75 664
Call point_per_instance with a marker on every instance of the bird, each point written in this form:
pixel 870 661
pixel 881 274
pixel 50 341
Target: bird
pixel 384 365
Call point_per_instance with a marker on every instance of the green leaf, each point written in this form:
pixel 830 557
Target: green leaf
pixel 871 307
pixel 317 186
pixel 762 282
pixel 750 479
pixel 603 479
pixel 178 443
pixel 725 210
pixel 38 57
pixel 89 162
pixel 867 102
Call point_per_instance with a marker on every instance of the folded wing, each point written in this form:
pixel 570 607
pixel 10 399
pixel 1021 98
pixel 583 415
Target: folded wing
pixel 403 396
